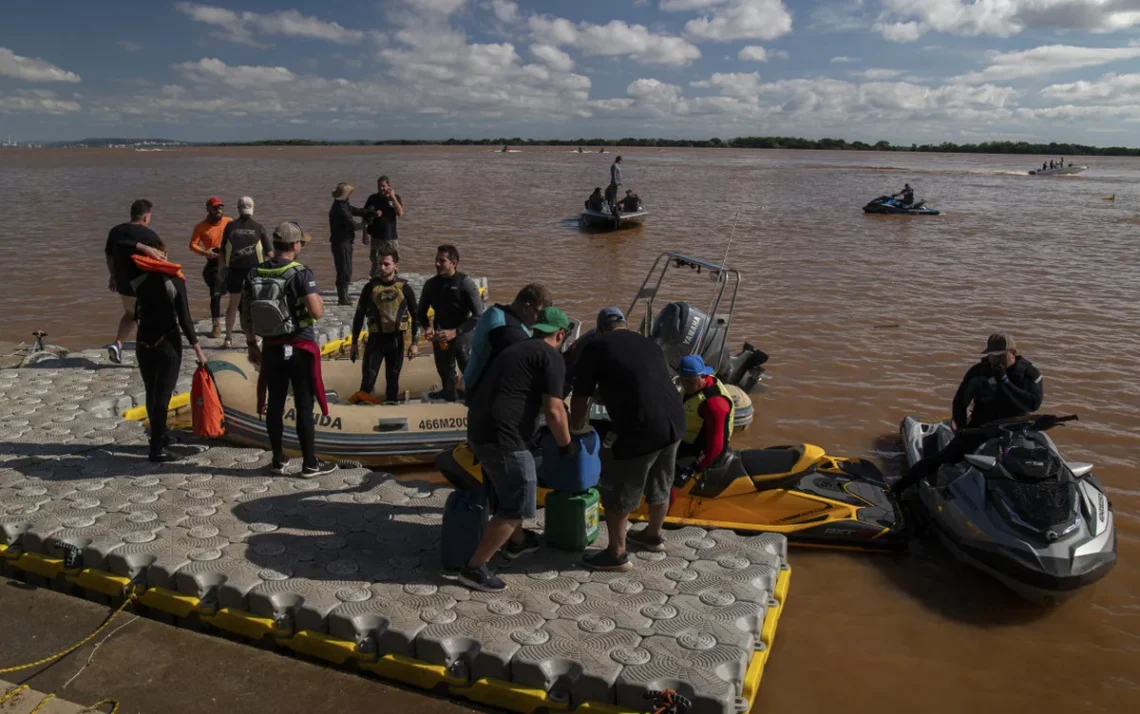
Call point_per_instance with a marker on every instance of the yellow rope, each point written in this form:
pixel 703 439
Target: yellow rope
pixel 24 688
pixel 74 647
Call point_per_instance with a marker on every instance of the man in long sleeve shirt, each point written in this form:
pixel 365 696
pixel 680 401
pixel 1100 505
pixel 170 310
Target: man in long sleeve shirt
pixel 709 413
pixel 615 181
pixel 206 241
pixel 455 299
pixel 1003 385
pixel 343 225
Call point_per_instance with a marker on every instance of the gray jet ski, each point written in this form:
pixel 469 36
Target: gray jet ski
pixel 1014 508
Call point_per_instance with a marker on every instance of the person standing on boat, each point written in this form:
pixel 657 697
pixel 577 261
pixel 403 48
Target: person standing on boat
pixel 628 371
pixel 382 210
pixel 342 234
pixel 163 319
pixel 206 241
pixel 389 305
pixel 245 244
pixel 498 328
pixel 1003 385
pixel 123 241
pixel 281 303
pixel 615 182
pixel 526 380
pixel 458 306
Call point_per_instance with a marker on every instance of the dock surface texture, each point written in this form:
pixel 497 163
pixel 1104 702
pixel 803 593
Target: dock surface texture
pixel 345 567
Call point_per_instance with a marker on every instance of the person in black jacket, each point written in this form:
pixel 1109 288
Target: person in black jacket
pixel 382 210
pixel 163 315
pixel 342 233
pixel 457 304
pixel 1003 385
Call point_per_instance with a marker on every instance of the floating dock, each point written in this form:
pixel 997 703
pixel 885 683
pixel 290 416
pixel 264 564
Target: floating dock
pixel 345 567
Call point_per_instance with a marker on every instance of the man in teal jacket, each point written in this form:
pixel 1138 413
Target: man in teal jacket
pixel 498 328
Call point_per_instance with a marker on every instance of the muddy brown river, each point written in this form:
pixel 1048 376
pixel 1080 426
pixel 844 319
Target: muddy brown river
pixel 867 319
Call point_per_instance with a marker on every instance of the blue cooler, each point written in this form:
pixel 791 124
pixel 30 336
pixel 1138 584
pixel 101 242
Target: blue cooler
pixel 464 519
pixel 571 475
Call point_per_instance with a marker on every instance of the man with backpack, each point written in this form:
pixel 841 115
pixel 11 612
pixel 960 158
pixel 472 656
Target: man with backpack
pixel 281 304
pixel 389 304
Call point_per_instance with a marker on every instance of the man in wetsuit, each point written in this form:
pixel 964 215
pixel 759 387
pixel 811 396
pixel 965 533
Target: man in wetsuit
pixel 123 241
pixel 206 240
pixel 457 304
pixel 381 210
pixel 498 328
pixel 245 245
pixel 709 415
pixel 907 195
pixel 342 234
pixel 1003 385
pixel 388 303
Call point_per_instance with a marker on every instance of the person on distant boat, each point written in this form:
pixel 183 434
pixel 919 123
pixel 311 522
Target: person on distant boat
pixel 1052 165
pixel 579 149
pixel 615 182
pixel 601 149
pixel 1061 165
pixel 595 202
pixel 1044 165
pixel 631 203
pixel 506 149
pixel 1003 385
pixel 906 195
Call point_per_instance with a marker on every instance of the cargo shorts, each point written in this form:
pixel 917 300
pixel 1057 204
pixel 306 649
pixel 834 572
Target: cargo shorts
pixel 624 481
pixel 511 480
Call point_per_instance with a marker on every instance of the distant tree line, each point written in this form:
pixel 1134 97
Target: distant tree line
pixel 743 142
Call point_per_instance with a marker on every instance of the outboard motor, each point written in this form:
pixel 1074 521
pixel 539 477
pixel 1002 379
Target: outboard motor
pixel 678 330
pixel 745 368
pixel 681 329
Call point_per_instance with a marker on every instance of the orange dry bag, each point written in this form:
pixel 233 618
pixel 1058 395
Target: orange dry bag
pixel 205 406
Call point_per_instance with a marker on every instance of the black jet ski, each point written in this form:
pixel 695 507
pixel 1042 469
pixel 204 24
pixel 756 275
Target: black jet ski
pixel 892 206
pixel 1013 508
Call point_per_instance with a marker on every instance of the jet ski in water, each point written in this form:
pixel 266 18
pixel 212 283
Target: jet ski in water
pixel 1015 509
pixel 892 206
pixel 798 491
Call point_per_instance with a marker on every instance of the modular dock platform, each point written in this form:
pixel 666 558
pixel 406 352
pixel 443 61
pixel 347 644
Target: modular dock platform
pixel 345 568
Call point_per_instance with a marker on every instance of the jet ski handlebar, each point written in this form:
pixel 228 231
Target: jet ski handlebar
pixel 1042 422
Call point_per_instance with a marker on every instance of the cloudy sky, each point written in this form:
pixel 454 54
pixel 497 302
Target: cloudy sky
pixel 901 70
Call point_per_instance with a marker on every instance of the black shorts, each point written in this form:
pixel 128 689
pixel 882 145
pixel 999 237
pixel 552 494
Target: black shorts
pixel 235 279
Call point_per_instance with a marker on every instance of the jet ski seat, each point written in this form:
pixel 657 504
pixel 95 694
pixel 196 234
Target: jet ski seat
pixel 766 467
pixel 761 463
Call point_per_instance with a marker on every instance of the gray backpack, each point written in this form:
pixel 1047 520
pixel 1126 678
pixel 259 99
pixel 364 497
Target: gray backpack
pixel 270 307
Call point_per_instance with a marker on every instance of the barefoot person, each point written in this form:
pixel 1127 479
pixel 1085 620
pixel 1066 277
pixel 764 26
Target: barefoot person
pixel 124 241
pixel 206 240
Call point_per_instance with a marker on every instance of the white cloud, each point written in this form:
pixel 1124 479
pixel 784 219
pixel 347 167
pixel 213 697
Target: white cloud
pixel 39 101
pixel 686 5
pixel 552 57
pixel 1001 66
pixel 241 27
pixel 130 46
pixel 742 20
pixel 738 85
pixel 754 53
pixel 615 38
pixel 878 73
pixel 844 60
pixel 907 20
pixel 32 69
pixel 238 77
pixel 505 10
pixel 1109 89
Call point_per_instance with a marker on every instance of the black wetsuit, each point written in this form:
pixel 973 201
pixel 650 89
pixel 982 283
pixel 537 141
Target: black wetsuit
pixel 457 305
pixel 342 231
pixel 163 315
pixel 383 348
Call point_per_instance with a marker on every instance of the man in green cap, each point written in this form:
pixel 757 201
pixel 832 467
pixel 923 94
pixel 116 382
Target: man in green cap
pixel 525 379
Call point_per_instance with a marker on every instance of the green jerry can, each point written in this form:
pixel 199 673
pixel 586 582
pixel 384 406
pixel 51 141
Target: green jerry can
pixel 572 519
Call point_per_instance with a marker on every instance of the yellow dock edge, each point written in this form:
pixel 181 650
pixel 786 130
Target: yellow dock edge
pixel 406 670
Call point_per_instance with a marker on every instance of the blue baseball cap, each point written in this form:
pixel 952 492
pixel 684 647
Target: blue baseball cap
pixel 608 316
pixel 693 366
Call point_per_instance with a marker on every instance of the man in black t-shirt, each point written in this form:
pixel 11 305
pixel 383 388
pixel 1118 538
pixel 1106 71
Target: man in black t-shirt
pixel 381 210
pixel 628 370
pixel 525 380
pixel 123 241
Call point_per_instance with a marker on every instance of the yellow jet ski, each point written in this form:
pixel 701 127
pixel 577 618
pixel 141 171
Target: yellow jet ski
pixel 799 491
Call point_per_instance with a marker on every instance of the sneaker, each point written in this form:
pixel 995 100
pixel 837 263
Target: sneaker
pixel 115 353
pixel 318 469
pixel 529 544
pixel 162 457
pixel 647 542
pixel 603 560
pixel 277 468
pixel 482 578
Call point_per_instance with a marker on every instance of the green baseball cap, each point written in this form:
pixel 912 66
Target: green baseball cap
pixel 551 320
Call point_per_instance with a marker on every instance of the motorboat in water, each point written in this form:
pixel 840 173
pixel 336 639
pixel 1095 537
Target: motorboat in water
pixel 888 205
pixel 612 221
pixel 1062 171
pixel 1014 508
pixel 798 491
